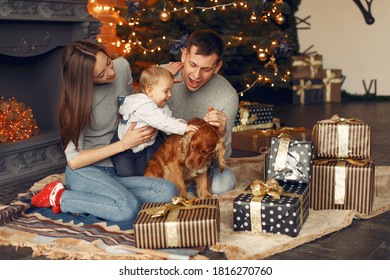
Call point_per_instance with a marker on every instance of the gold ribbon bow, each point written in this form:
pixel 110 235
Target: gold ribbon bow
pixel 178 203
pixel 282 130
pixel 271 187
pixel 354 161
pixel 245 118
pixel 303 86
pixel 244 103
pixel 259 189
pixel 335 119
pixel 247 121
pixel 311 62
pixel 329 79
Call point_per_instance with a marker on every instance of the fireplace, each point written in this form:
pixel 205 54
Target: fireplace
pixel 33 34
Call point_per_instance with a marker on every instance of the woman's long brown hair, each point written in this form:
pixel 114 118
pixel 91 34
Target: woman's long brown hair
pixel 75 104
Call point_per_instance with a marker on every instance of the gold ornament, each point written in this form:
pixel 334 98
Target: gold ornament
pixel 280 19
pixel 165 15
pixel 262 55
pixel 272 63
pixel 253 18
pixel 265 18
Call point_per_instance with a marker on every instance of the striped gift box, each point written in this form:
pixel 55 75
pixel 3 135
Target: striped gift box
pixel 183 226
pixel 341 138
pixel 339 184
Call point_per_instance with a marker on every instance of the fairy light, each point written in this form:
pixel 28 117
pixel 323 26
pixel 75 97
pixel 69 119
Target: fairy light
pixel 16 121
pixel 109 16
pixel 134 42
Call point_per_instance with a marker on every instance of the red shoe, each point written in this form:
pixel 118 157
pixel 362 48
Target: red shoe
pixel 49 196
pixel 56 209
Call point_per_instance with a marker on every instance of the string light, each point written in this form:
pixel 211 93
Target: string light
pixel 16 121
pixel 273 13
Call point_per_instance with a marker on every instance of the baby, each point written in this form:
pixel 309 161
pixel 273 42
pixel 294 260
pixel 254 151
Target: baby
pixel 147 108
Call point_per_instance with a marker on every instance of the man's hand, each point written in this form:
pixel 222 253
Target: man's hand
pixel 218 119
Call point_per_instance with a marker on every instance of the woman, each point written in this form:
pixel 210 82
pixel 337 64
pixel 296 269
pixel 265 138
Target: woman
pixel 91 85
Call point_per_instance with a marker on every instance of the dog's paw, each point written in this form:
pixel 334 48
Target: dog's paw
pixel 205 194
pixel 183 195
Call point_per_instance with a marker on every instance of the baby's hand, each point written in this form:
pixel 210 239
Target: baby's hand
pixel 192 128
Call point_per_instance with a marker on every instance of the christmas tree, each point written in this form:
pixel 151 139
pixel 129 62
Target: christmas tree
pixel 260 36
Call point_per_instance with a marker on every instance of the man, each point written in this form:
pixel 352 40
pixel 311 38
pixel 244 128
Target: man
pixel 201 92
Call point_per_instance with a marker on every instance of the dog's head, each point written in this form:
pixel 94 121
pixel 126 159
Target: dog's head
pixel 200 147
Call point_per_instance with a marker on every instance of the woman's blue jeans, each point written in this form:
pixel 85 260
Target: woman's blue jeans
pixel 99 191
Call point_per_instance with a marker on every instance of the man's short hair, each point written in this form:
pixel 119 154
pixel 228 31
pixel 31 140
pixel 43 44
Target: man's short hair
pixel 208 42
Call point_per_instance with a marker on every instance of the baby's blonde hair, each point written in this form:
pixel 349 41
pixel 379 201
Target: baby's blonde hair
pixel 152 75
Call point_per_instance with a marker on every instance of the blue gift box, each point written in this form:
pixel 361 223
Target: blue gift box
pixel 308 91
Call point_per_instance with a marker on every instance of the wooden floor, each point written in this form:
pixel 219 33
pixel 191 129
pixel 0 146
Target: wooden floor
pixel 364 239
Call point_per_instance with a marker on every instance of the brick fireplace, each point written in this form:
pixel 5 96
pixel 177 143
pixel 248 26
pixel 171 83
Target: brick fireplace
pixel 33 34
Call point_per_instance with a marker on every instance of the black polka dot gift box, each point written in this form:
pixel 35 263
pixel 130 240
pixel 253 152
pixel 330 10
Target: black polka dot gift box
pixel 289 160
pixel 283 214
pixel 252 115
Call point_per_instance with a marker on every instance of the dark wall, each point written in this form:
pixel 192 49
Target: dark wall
pixel 36 82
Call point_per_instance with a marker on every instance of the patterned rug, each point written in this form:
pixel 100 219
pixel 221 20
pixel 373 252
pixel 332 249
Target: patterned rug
pixel 66 236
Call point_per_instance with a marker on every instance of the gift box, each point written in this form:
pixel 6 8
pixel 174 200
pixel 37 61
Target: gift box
pixel 307 66
pixel 251 115
pixel 289 159
pixel 283 215
pixel 178 224
pixel 332 81
pixel 341 138
pixel 306 91
pixel 303 189
pixel 342 184
pixel 253 140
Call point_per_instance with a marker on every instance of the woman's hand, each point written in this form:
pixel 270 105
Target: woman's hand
pixel 217 119
pixel 174 68
pixel 136 136
pixel 133 137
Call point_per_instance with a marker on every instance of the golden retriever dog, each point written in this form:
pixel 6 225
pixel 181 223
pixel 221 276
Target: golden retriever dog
pixel 186 158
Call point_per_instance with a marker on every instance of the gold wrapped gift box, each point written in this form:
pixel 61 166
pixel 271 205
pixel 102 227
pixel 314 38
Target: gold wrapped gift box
pixel 253 140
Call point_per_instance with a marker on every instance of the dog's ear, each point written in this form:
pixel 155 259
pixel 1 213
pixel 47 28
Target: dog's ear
pixel 219 154
pixel 184 145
